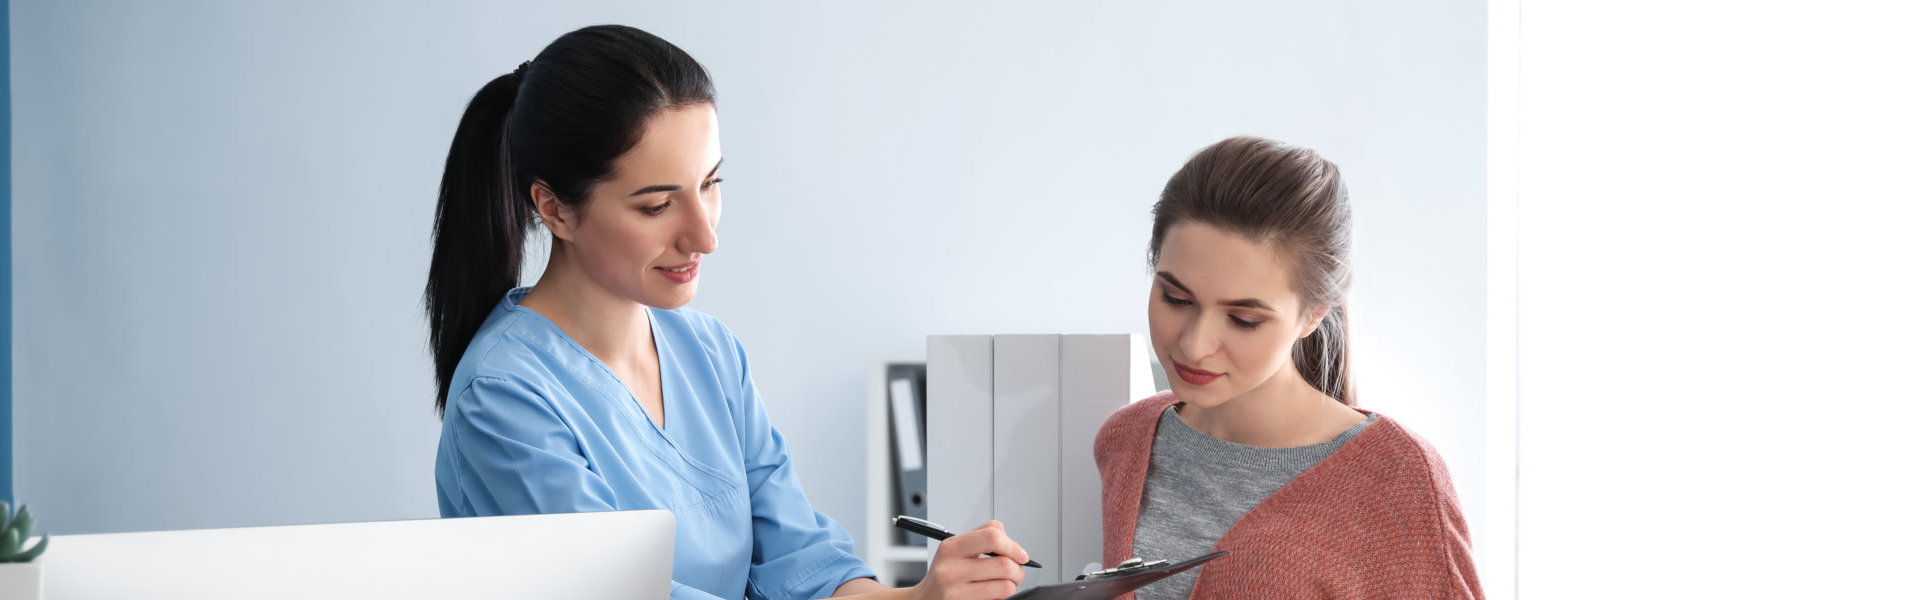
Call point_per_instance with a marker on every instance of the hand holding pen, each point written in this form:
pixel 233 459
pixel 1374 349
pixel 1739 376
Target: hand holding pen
pixel 938 533
pixel 979 564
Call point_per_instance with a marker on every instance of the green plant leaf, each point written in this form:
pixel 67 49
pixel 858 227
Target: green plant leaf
pixel 23 521
pixel 9 546
pixel 35 552
pixel 6 514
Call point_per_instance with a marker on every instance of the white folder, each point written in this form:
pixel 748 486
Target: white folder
pixel 1026 447
pixel 1099 374
pixel 960 430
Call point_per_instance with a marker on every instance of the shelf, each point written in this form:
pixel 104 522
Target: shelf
pixel 893 564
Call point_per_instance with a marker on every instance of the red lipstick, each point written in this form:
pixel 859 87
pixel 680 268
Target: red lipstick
pixel 683 273
pixel 1195 376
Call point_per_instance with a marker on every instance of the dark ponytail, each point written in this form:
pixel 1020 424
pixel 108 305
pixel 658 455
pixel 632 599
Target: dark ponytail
pixel 560 119
pixel 1293 198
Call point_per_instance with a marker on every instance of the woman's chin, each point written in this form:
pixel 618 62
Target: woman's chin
pixel 672 299
pixel 1201 396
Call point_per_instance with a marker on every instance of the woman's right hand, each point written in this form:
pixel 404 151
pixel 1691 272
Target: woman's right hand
pixel 961 571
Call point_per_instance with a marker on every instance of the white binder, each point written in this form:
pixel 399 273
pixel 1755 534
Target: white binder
pixel 1026 447
pixel 1099 374
pixel 959 430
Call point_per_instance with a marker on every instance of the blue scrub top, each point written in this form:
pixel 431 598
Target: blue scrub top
pixel 536 424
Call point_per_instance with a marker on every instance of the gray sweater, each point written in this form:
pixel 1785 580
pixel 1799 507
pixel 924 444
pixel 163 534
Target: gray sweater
pixel 1198 486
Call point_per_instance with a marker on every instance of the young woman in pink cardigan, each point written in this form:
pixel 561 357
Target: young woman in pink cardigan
pixel 1258 448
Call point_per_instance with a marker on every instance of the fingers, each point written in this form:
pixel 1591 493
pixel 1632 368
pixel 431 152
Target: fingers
pixel 984 568
pixel 1012 571
pixel 961 569
pixel 991 537
pixel 994 590
pixel 961 572
pixel 974 578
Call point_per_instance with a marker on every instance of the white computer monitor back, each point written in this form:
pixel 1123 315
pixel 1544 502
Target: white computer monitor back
pixel 619 554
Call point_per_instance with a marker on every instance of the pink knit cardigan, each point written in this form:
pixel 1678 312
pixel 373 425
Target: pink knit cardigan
pixel 1377 519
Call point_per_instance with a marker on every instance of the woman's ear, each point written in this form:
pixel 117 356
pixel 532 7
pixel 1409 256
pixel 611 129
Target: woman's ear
pixel 555 214
pixel 1312 323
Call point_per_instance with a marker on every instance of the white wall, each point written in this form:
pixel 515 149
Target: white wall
pixel 1716 299
pixel 222 214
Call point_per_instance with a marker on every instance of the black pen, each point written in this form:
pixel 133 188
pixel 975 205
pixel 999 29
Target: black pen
pixel 937 532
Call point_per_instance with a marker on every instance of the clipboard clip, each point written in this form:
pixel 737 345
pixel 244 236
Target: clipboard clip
pixel 1126 567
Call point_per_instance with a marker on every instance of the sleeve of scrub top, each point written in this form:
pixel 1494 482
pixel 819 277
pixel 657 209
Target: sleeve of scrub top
pixel 798 553
pixel 514 456
pixel 687 592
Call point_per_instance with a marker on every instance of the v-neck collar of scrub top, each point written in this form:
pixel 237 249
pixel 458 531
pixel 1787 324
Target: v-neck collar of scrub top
pixel 629 405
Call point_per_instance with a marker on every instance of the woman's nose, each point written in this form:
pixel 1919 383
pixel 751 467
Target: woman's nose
pixel 1197 341
pixel 698 236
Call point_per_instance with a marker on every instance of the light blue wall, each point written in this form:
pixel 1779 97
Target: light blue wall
pixel 223 224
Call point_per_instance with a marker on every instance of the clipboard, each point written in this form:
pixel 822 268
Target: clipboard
pixel 1114 582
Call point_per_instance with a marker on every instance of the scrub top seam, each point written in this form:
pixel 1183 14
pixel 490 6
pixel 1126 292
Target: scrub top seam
pixel 547 403
pixel 653 324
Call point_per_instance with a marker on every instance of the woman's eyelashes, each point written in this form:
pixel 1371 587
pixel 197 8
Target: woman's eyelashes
pixel 655 210
pixel 1237 321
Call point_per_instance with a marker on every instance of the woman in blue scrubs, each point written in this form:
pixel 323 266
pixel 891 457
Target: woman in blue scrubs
pixel 592 389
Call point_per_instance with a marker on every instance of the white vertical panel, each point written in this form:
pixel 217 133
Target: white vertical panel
pixel 1716 289
pixel 1099 374
pixel 960 430
pixel 1140 374
pixel 1026 447
pixel 1493 541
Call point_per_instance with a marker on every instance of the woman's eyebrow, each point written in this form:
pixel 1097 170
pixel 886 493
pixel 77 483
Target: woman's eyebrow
pixel 1243 302
pixel 655 189
pixel 1173 281
pixel 1247 303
